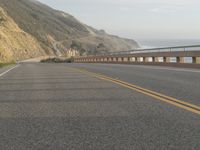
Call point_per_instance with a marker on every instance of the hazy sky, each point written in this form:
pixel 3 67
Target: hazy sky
pixel 138 19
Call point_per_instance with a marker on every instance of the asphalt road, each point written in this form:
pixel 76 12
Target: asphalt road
pixel 183 84
pixel 54 107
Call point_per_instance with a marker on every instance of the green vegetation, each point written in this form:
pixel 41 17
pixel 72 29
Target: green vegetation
pixel 58 60
pixel 76 45
pixel 2 19
pixel 3 64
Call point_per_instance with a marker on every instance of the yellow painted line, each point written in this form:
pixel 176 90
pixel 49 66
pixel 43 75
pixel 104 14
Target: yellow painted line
pixel 173 101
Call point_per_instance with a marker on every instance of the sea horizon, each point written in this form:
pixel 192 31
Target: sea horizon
pixel 155 43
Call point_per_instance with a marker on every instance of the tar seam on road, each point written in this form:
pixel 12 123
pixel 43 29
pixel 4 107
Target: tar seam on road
pixel 178 103
pixel 9 70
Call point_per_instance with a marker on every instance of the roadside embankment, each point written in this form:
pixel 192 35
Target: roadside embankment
pixel 3 64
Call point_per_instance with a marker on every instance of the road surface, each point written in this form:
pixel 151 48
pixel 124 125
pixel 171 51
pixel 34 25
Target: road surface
pixel 58 106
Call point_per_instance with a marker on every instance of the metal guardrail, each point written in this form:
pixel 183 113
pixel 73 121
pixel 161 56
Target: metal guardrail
pixel 153 50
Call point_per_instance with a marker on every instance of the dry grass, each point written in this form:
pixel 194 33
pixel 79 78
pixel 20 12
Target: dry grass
pixel 3 64
pixel 15 43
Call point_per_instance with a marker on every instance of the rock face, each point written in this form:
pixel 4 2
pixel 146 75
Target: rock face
pixel 14 42
pixel 41 26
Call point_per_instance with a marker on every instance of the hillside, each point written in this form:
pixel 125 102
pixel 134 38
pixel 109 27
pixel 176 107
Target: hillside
pixel 13 41
pixel 48 26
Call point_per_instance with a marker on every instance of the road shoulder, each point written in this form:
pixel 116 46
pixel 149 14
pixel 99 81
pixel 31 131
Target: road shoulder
pixel 6 69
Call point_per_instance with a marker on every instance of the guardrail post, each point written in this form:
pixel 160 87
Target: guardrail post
pixel 119 59
pixel 126 59
pixel 180 59
pixel 153 59
pixel 196 60
pixel 156 59
pixel 132 59
pixel 146 59
pixel 143 59
pixel 140 59
pixel 193 60
pixel 111 59
pixel 166 59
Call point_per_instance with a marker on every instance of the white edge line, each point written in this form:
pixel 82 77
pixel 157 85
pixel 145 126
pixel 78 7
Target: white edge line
pixel 9 70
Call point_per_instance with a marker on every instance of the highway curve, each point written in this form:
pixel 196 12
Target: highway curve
pixel 85 107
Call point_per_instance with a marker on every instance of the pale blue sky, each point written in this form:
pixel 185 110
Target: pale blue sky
pixel 138 19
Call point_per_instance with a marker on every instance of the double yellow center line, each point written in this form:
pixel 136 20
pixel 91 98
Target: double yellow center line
pixel 184 105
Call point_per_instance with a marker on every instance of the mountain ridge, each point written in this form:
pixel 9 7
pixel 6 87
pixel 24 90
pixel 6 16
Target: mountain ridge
pixel 48 26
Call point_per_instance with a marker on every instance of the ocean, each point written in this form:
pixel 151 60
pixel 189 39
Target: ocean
pixel 156 43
